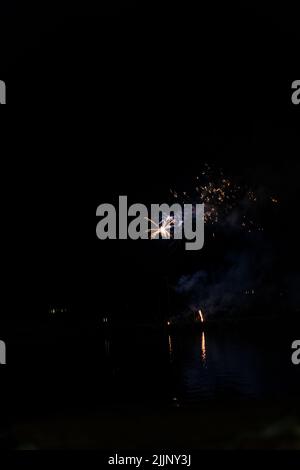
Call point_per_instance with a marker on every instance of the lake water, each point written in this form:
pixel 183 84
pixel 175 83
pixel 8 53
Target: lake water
pixel 175 369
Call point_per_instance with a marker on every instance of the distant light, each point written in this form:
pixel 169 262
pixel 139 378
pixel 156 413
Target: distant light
pixel 176 402
pixel 201 316
pixel 54 311
pixel 168 323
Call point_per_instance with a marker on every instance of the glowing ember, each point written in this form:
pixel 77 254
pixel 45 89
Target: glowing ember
pixel 201 316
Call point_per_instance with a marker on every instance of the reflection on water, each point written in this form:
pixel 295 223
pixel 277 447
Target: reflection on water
pixel 151 366
pixel 204 365
pixel 203 348
pixel 170 348
pixel 229 366
pixel 107 347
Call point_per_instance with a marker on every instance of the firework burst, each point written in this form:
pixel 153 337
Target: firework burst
pixel 162 229
pixel 226 202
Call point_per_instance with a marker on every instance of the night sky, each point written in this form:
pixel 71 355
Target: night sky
pixel 135 100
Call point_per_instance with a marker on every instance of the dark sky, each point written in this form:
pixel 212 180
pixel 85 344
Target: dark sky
pixel 133 101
